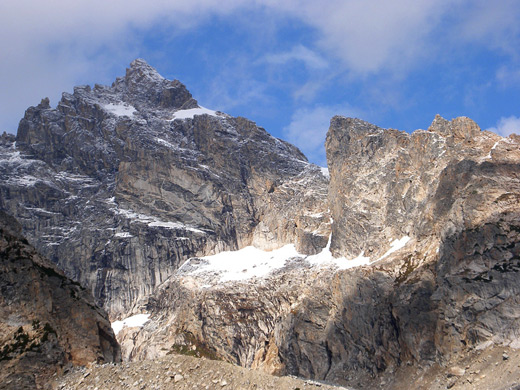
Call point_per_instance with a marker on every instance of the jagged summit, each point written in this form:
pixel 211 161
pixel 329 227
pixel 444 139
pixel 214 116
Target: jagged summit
pixel 139 65
pixel 144 85
pixel 461 128
pixel 137 177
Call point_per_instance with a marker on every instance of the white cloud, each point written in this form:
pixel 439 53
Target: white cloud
pixel 369 35
pixel 47 47
pixel 233 85
pixel 492 24
pixel 506 126
pixel 309 126
pixel 310 58
pixel 508 76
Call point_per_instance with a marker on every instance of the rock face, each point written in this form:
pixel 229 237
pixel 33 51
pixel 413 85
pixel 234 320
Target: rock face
pixel 438 213
pixel 119 185
pixel 386 184
pixel 181 373
pixel 46 319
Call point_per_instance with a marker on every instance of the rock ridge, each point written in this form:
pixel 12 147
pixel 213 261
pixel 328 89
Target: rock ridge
pixel 436 212
pixel 118 185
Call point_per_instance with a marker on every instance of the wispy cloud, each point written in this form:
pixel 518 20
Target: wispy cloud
pixel 310 58
pixel 369 36
pixel 506 126
pixel 494 25
pixel 48 47
pixel 508 76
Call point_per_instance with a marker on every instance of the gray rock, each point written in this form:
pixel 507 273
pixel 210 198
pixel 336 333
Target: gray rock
pixel 451 288
pixel 118 193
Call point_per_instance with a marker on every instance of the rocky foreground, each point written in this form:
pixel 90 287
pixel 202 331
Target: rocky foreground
pixel 179 372
pixel 47 321
pixel 491 369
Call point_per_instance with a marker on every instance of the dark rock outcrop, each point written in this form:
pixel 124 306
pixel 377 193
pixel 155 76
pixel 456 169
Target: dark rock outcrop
pixel 47 321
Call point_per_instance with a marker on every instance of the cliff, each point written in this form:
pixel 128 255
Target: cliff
pixel 405 262
pixel 434 214
pixel 118 185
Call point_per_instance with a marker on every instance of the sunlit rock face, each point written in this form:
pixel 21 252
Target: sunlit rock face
pixel 407 257
pixel 433 214
pixel 386 184
pixel 118 185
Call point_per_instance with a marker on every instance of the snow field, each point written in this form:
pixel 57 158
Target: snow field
pixel 137 320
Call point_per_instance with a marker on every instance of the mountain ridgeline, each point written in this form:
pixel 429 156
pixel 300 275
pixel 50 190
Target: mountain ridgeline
pixel 406 259
pixel 120 185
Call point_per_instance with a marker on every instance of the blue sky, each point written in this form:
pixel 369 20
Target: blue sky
pixel 289 66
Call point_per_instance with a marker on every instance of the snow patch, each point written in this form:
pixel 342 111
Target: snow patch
pixel 395 246
pixel 123 235
pixel 325 172
pixel 174 225
pixel 251 262
pixel 489 157
pixel 245 263
pixel 190 113
pixel 24 181
pixel 151 221
pixel 325 258
pixel 166 143
pixel 136 321
pixel 73 177
pixel 120 109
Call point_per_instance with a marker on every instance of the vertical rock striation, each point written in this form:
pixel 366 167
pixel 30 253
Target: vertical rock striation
pixel 118 185
pixel 438 214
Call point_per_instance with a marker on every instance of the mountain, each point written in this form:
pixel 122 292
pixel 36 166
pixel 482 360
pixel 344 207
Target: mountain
pixel 434 217
pixel 398 271
pixel 120 185
pixel 47 321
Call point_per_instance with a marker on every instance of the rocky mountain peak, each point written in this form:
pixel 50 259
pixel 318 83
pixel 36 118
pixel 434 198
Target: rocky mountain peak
pixel 141 67
pixel 140 166
pixel 45 103
pixel 142 84
pixel 461 128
